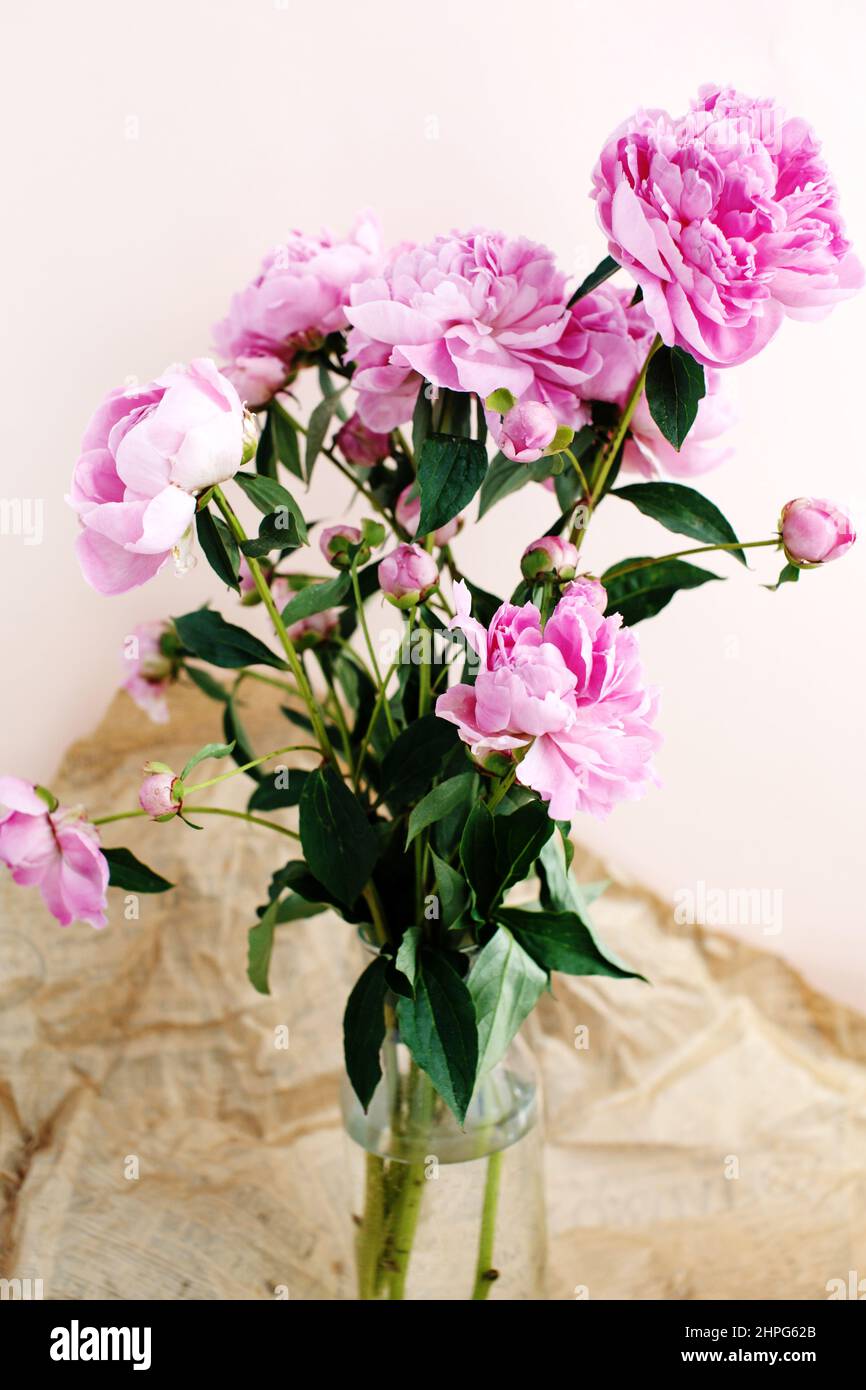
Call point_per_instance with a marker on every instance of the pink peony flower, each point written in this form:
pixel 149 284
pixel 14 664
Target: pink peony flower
pixel 591 590
pixel 728 219
pixel 472 311
pixel 815 531
pixel 362 446
pixel 294 302
pixel 157 795
pixel 408 575
pixel 408 514
pixel 525 431
pixel 573 696
pixel 152 670
pixel 620 334
pixel 146 453
pixel 549 555
pixel 56 850
pixel 649 453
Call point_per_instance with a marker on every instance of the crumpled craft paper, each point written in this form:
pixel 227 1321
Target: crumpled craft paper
pixel 706 1136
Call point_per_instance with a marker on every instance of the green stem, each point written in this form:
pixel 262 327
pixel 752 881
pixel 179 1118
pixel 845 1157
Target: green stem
pixel 607 461
pixel 362 618
pixel 579 471
pixel 485 1275
pixel 408 1201
pixel 204 811
pixel 695 550
pixel 295 664
pixel 270 680
pixel 370 1236
pixel 224 777
pixel 499 792
pixel 380 698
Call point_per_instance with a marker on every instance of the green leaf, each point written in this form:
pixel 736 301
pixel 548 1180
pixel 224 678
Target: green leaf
pixel 602 272
pixel 645 592
pixel 450 472
pixel 338 840
pixel 315 598
pixel 364 1030
pixel 210 750
pixel 422 419
pixel 501 401
pixel 790 574
pixel 260 944
pixel 219 547
pixel 208 636
pixel 683 510
pixel 505 984
pixel 504 476
pixel 561 941
pixel 439 1028
pixel 317 429
pixel 269 496
pixel 206 683
pixel 674 386
pixel 453 891
pixel 406 959
pixel 293 908
pixel 497 851
pixel 415 758
pixel 557 886
pixel 125 871
pixel 284 438
pixel 270 797
pixel 278 530
pixel 439 802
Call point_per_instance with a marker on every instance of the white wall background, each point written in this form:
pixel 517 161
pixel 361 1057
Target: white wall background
pixel 153 153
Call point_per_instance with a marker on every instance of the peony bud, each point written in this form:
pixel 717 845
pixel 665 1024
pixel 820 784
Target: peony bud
pixel 408 575
pixel 408 514
pixel 526 432
pixel 336 542
pixel 549 555
pixel 589 589
pixel 158 796
pixel 815 531
pixel 313 631
pixel 361 446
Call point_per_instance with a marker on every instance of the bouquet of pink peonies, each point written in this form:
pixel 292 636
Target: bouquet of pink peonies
pixel 449 776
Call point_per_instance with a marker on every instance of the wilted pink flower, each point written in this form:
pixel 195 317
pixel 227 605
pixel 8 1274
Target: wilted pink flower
pixel 525 431
pixel 549 555
pixel 293 303
pixel 573 695
pixel 815 531
pixel 728 219
pixel 473 311
pixel 591 590
pixel 360 445
pixel 157 795
pixel 55 850
pixel 408 514
pixel 153 671
pixel 146 453
pixel 408 575
pixel 335 542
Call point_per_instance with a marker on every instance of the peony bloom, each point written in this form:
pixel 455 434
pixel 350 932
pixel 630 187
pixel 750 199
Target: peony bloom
pixel 728 219
pixel 408 575
pixel 474 311
pixel 525 431
pixel 335 542
pixel 153 671
pixel 549 555
pixel 649 453
pixel 573 697
pixel 362 446
pixel 815 531
pixel 295 301
pixel 56 850
pixel 408 514
pixel 146 453
pixel 157 795
pixel 620 334
pixel 591 590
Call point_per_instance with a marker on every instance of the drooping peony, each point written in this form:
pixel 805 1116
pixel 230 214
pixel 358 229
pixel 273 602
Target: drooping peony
pixel 572 695
pixel 146 454
pixel 294 302
pixel 728 219
pixel 152 669
pixel 56 851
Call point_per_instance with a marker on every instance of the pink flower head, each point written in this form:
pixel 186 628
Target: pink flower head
pixel 549 555
pixel 815 531
pixel 408 575
pixel 620 334
pixel 294 302
pixel 146 453
pixel 408 514
pixel 591 590
pixel 474 311
pixel 525 431
pixel 573 695
pixel 360 445
pixel 728 219
pixel 335 543
pixel 157 795
pixel 153 671
pixel 55 849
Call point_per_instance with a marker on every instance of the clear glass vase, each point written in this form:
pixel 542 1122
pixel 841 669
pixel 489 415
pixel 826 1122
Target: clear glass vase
pixel 440 1211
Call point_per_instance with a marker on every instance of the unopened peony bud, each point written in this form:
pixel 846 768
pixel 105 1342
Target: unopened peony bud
pixel 549 555
pixel 158 795
pixel 815 531
pixel 336 542
pixel 589 589
pixel 361 446
pixel 313 631
pixel 526 432
pixel 408 575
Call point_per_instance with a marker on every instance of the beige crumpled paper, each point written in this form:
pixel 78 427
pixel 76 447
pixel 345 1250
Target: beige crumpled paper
pixel 158 1140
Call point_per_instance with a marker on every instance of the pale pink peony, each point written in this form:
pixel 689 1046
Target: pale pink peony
pixel 728 219
pixel 573 696
pixel 362 446
pixel 589 589
pixel 152 670
pixel 620 334
pixel 549 555
pixel 57 851
pixel 294 302
pixel 157 795
pixel 145 455
pixel 408 575
pixel 815 531
pixel 335 543
pixel 525 431
pixel 408 514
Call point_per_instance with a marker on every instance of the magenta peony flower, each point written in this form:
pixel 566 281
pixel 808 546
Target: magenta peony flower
pixel 152 671
pixel 472 311
pixel 573 696
pixel 815 531
pixel 591 590
pixel 295 301
pixel 408 575
pixel 549 555
pixel 728 219
pixel 55 850
pixel 157 795
pixel 146 453
pixel 362 446
pixel 408 514
pixel 525 431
